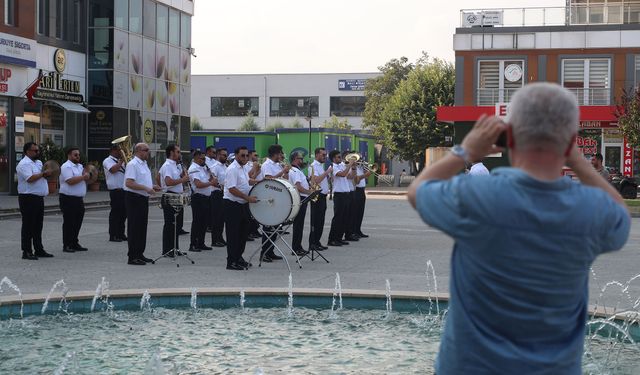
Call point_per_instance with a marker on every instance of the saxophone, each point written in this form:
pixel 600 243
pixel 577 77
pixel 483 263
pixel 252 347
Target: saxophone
pixel 313 185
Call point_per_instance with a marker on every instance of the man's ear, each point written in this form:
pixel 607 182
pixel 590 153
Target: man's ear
pixel 511 143
pixel 570 146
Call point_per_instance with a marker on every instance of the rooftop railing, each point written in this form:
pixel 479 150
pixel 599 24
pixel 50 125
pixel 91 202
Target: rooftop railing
pixel 585 96
pixel 593 14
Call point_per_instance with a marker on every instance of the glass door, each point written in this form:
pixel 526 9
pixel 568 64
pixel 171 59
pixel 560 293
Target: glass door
pixel 613 158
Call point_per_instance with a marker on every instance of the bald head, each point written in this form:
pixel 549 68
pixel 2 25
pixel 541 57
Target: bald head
pixel 141 150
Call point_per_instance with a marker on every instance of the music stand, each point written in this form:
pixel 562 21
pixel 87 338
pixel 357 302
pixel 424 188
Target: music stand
pixel 178 205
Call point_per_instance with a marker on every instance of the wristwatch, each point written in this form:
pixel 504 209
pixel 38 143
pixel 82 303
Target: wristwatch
pixel 460 152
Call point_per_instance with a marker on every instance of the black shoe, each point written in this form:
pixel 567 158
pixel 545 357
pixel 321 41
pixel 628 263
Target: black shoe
pixel 169 254
pixel 300 252
pixel 235 267
pixel 334 243
pixel 68 249
pixel 145 259
pixel 194 249
pixel 77 247
pixel 316 248
pixel 115 239
pixel 180 253
pixel 123 237
pixel 218 244
pixel 266 259
pixel 182 231
pixel 362 235
pixel 249 239
pixel 343 242
pixel 137 262
pixel 351 238
pixel 244 263
pixel 323 247
pixel 255 235
pixel 273 256
pixel 205 247
pixel 42 254
pixel 29 255
pixel 209 230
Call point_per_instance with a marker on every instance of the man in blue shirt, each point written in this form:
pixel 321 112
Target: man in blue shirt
pixel 525 239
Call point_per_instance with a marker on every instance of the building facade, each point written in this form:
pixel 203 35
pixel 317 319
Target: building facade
pixel 591 48
pixel 225 100
pixel 92 63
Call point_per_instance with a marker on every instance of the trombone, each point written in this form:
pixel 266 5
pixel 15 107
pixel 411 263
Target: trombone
pixel 360 162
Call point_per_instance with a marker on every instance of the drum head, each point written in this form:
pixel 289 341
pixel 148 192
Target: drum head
pixel 278 201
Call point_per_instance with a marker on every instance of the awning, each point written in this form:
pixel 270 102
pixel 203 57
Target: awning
pixel 70 106
pixel 471 113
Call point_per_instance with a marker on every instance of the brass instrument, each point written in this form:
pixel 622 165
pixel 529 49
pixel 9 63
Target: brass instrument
pixel 126 149
pixel 313 185
pixel 93 173
pixel 53 167
pixel 359 161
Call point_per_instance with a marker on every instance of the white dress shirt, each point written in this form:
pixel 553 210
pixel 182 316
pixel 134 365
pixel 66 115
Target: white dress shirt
pixel 172 170
pixel 340 184
pixel 210 162
pixel 295 176
pixel 138 171
pixel 479 169
pixel 318 169
pixel 200 173
pixel 237 177
pixel 27 168
pixel 69 170
pixel 114 180
pixel 363 181
pixel 269 168
pixel 220 171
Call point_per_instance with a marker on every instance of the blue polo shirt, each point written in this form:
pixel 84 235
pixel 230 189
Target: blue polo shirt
pixel 519 268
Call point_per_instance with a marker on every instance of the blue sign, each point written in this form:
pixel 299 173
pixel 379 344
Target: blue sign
pixel 351 84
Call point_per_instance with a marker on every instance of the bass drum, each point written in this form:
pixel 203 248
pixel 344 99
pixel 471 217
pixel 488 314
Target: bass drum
pixel 278 202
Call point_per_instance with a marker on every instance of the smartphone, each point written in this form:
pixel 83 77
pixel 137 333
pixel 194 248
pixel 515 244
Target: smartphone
pixel 502 139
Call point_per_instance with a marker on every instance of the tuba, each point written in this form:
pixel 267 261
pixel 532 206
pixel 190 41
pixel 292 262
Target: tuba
pixel 126 150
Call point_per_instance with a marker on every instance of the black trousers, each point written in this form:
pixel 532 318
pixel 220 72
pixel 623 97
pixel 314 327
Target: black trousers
pixel 253 226
pixel 350 215
pixel 171 227
pixel 200 209
pixel 216 210
pixel 72 215
pixel 236 220
pixel 339 222
pixel 298 227
pixel 137 219
pixel 118 213
pixel 32 211
pixel 318 210
pixel 359 203
pixel 267 246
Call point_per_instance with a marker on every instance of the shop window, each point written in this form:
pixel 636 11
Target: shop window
pixel 185 30
pixel 42 13
pixel 76 25
pixel 345 106
pixel 588 79
pixel 135 16
pixel 294 106
pixel 234 106
pixel 100 87
pixel 100 13
pixel 10 12
pixel 149 19
pixel 498 80
pixel 100 48
pixel 60 18
pixel 121 13
pixel 162 23
pixel 174 27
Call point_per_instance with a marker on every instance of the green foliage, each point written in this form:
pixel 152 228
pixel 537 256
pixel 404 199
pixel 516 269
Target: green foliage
pixel 336 123
pixel 249 124
pixel 378 90
pixel 275 125
pixel 51 151
pixel 297 124
pixel 407 124
pixel 195 124
pixel 628 114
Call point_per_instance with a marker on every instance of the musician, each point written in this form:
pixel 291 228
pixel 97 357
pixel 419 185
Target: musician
pixel 299 180
pixel 171 180
pixel 236 218
pixel 359 200
pixel 32 188
pixel 73 188
pixel 113 167
pixel 319 207
pixel 217 210
pixel 341 190
pixel 210 159
pixel 253 168
pixel 138 186
pixel 180 219
pixel 271 169
pixel 202 182
pixel 350 213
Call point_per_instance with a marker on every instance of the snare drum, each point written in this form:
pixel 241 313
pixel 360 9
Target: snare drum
pixel 278 202
pixel 177 201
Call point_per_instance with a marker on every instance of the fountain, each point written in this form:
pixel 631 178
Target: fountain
pixel 242 300
pixel 389 305
pixel 290 299
pixel 194 298
pixel 337 292
pixel 145 305
pixel 63 300
pixel 11 285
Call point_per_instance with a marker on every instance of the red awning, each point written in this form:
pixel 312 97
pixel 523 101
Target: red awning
pixel 605 114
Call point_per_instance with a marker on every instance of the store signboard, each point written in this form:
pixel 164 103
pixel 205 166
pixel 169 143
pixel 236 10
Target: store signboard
pixel 483 18
pixel 13 80
pixel 627 160
pixel 352 84
pixel 16 50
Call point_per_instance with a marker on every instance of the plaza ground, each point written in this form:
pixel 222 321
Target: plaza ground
pixel 399 248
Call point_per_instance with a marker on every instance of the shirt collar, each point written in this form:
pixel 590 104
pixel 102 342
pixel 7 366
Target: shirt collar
pixel 523 178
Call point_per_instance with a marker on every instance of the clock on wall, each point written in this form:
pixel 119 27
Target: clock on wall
pixel 513 72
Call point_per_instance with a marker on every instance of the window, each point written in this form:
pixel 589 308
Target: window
pixel 135 16
pixel 149 19
pixel 162 23
pixel 588 79
pixel 347 105
pixel 637 78
pixel 498 80
pixel 76 25
pixel 101 13
pixel 10 12
pixel 121 13
pixel 100 53
pixel 294 106
pixel 42 11
pixel 174 27
pixel 61 12
pixel 233 106
pixel 185 30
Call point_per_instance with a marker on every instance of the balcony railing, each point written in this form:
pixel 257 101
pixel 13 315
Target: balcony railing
pixel 595 96
pixel 593 14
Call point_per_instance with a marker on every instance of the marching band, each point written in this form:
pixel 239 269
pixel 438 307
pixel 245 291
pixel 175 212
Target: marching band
pixel 219 191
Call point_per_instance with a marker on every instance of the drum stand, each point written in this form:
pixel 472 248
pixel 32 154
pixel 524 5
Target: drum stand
pixel 175 251
pixel 277 233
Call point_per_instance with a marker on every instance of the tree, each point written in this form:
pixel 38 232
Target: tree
pixel 336 123
pixel 628 114
pixel 272 127
pixel 408 120
pixel 249 124
pixel 195 124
